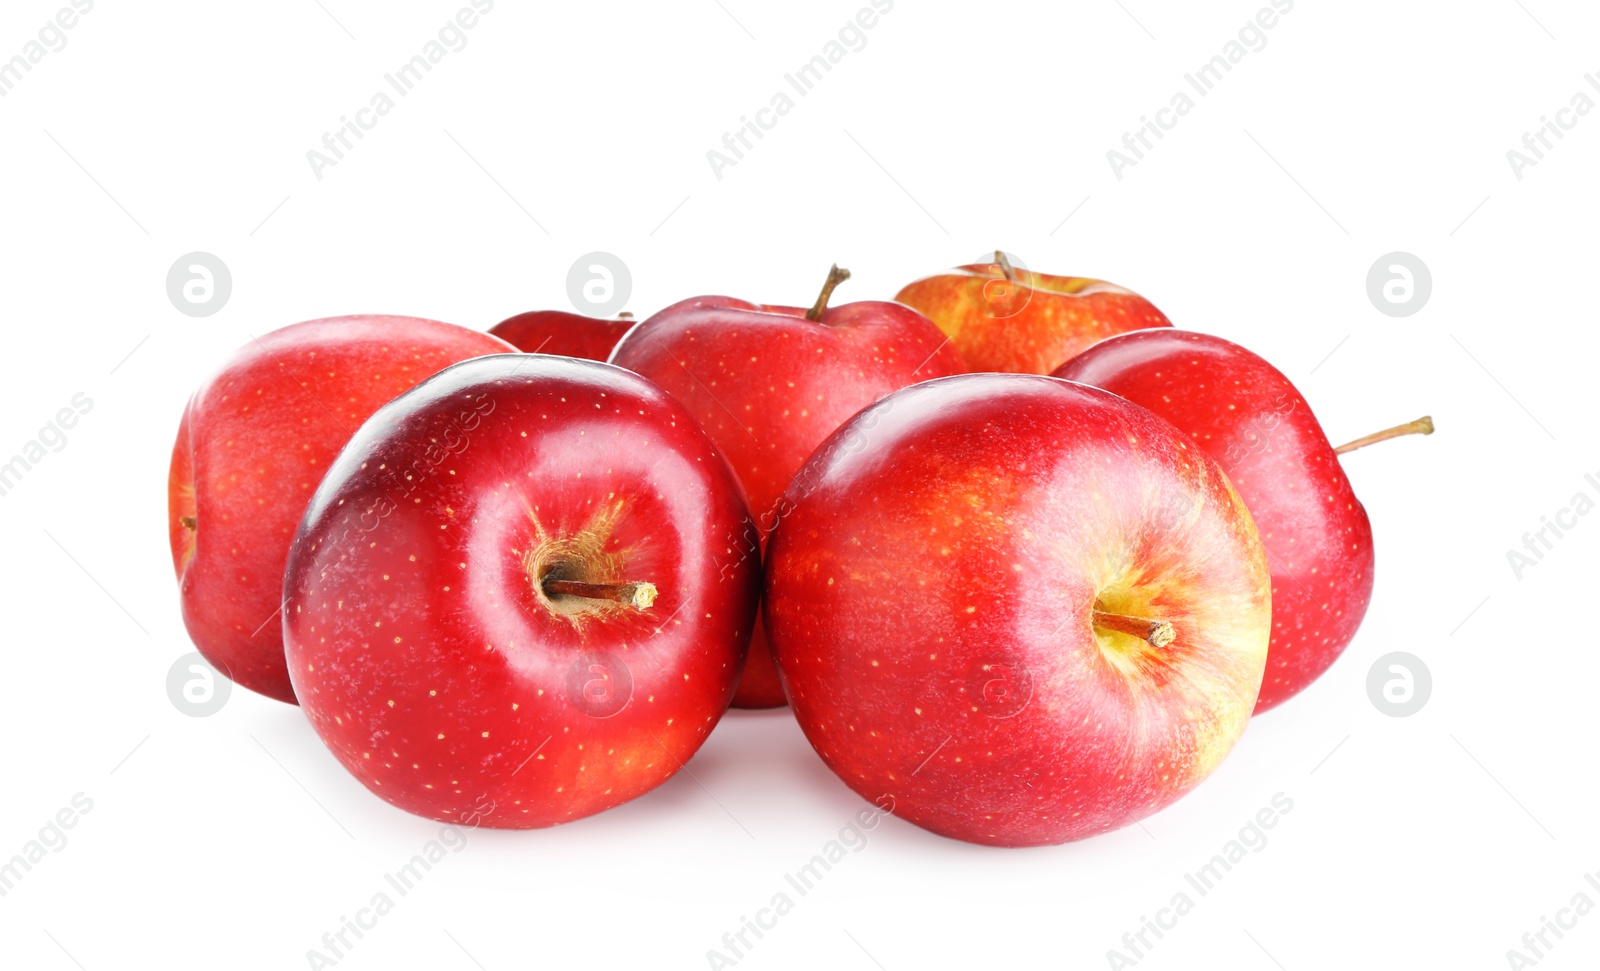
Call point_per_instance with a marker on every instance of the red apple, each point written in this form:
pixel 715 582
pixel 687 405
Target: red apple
pixel 560 332
pixel 508 590
pixel 985 608
pixel 769 383
pixel 253 444
pixel 1005 318
pixel 1252 420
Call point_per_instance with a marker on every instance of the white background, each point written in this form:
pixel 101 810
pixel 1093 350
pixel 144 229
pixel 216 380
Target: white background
pixel 1363 127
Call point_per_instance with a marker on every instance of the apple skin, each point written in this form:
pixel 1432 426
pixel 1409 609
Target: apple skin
pixel 1030 324
pixel 769 385
pixel 422 646
pixel 930 598
pixel 254 442
pixel 1253 421
pixel 560 332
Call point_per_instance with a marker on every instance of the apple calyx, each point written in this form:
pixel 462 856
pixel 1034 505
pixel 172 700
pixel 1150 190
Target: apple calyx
pixel 1159 633
pixel 836 276
pixel 1005 266
pixel 1422 426
pixel 188 522
pixel 633 594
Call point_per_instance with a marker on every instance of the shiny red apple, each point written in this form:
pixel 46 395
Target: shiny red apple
pixel 1253 421
pixel 560 332
pixel 254 442
pixel 769 383
pixel 509 590
pixel 1007 318
pixel 983 608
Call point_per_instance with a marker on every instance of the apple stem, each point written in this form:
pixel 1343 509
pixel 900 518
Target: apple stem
pixel 1005 265
pixel 625 315
pixel 187 522
pixel 640 595
pixel 1422 426
pixel 1159 633
pixel 836 276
